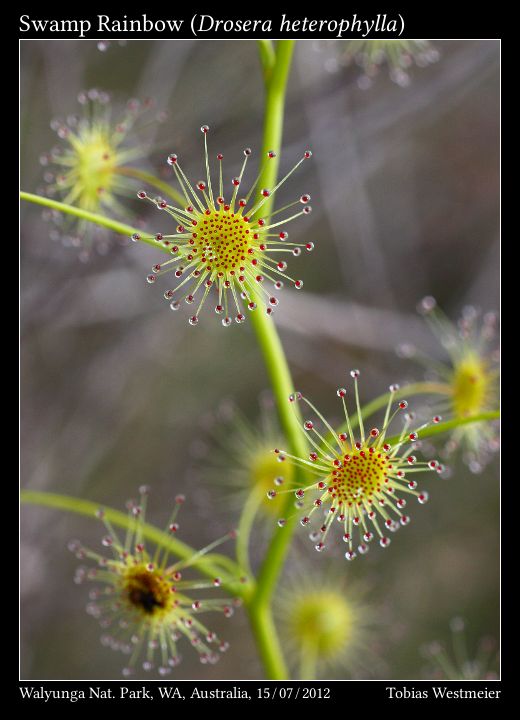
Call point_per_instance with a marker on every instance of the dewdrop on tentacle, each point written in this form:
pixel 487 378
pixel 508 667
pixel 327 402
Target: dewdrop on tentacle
pixel 91 166
pixel 468 381
pixel 147 604
pixel 453 661
pixel 362 481
pixel 104 45
pixel 397 55
pixel 222 244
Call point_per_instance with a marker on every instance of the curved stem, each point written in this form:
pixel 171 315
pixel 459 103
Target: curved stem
pixel 114 225
pixel 150 179
pixel 268 644
pixel 452 425
pixel 247 519
pixel 259 605
pixel 209 565
pixel 418 388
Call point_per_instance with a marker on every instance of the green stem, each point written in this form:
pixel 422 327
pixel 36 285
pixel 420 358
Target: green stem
pixel 149 179
pixel 247 519
pixel 259 606
pixel 419 388
pixel 114 225
pixel 452 425
pixel 268 644
pixel 209 565
pixel 276 87
pixel 308 661
pixel 267 57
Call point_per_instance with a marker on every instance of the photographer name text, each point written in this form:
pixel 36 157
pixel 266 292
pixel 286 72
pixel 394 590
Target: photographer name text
pixel 441 692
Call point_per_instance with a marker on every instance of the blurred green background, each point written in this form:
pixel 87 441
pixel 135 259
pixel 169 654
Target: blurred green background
pixel 405 195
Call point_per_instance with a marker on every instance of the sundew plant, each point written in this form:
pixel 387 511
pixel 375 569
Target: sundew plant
pixel 276 232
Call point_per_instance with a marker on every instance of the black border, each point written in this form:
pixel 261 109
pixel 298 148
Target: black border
pixel 433 21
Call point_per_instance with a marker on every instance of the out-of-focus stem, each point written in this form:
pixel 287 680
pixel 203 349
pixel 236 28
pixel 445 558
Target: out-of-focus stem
pixel 210 565
pixel 245 525
pixel 153 181
pixel 308 661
